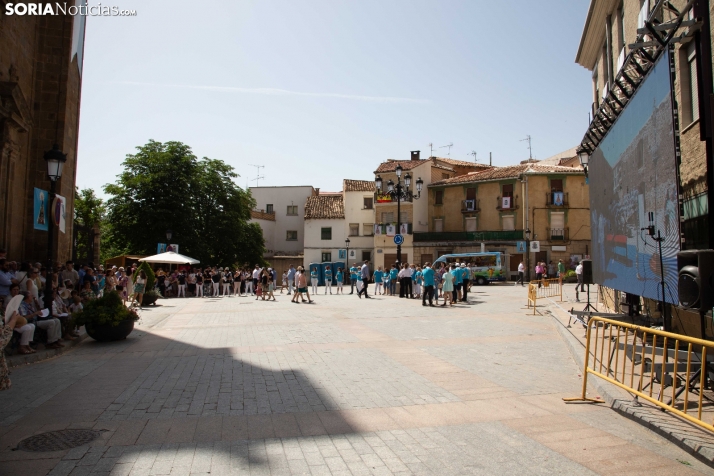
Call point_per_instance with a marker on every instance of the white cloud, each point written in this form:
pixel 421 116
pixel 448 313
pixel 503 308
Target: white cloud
pixel 281 92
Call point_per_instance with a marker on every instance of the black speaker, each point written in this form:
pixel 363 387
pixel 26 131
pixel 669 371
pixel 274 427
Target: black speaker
pixel 587 271
pixel 696 272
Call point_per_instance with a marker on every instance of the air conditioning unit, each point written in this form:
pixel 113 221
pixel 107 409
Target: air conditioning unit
pixel 469 204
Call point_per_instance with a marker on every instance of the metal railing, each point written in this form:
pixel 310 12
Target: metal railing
pixel 660 367
pixel 544 288
pixel 510 235
pixel 514 203
pixel 558 234
pixel 470 206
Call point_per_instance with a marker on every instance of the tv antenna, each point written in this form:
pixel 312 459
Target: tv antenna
pixel 257 173
pixel 431 149
pixel 449 145
pixel 530 151
pixel 473 152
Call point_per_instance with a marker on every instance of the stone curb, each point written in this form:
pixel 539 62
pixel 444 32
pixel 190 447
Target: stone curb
pixel 699 443
pixel 19 359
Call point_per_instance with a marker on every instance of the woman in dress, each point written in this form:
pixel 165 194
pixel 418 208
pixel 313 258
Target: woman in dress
pixel 448 287
pixel 111 281
pixel 139 289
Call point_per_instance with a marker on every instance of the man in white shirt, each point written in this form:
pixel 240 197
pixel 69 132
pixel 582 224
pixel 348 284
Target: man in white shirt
pixel 580 285
pixel 521 271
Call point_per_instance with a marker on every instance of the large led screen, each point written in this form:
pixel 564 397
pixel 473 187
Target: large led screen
pixel 633 173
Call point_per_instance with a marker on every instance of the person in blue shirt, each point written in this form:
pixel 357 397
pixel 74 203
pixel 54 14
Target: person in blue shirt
pixel 465 280
pixel 378 281
pixel 339 276
pixel 313 280
pixel 393 275
pixel 417 282
pixel 386 281
pixel 354 276
pixel 328 279
pixel 458 279
pixel 427 275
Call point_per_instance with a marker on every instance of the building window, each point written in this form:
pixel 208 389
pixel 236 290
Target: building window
pixel 471 224
pixel 326 257
pixel 366 255
pixel 438 225
pixel 368 229
pixel 557 225
pixel 269 208
pixel 507 199
pixel 471 193
pixel 291 235
pixel 404 217
pixel 387 217
pixel 509 223
pixel 292 210
pixel 444 176
pixel 368 203
pixel 354 229
pixel 326 233
pixel 439 197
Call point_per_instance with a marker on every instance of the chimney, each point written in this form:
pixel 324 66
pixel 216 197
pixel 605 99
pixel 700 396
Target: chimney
pixel 415 154
pixel 317 191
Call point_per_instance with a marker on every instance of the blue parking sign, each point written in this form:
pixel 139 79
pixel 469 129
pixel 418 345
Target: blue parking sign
pixel 520 246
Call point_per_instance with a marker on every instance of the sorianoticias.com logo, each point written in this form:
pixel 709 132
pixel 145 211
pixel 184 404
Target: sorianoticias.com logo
pixel 57 8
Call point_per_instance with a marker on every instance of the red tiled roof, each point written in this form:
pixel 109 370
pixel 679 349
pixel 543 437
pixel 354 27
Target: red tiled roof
pixel 460 163
pixel 391 165
pixel 262 215
pixel 511 171
pixel 358 186
pixel 330 205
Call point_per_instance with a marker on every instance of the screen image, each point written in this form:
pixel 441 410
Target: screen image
pixel 633 173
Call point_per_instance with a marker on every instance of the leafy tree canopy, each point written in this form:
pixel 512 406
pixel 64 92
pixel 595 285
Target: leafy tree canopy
pixel 164 186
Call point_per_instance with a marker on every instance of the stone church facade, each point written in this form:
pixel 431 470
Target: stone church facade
pixel 40 89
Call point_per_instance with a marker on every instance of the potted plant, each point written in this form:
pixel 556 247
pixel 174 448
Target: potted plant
pixel 106 318
pixel 150 297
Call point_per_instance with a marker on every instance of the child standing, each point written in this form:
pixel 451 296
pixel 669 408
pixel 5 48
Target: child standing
pixel 386 279
pixel 259 291
pixel 339 277
pixel 328 279
pixel 378 280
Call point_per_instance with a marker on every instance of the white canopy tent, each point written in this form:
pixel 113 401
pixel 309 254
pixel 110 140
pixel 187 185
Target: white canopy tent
pixel 170 258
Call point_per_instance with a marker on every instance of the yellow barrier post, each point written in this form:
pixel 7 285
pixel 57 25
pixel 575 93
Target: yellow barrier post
pixel 665 366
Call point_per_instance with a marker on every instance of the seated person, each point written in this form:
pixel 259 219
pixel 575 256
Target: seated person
pixel 87 293
pixel 51 325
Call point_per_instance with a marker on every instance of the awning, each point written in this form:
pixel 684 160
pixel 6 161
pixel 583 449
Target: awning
pixel 170 258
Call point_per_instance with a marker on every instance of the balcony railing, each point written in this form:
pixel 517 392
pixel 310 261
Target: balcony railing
pixel 511 235
pixel 556 199
pixel 470 206
pixel 558 234
pixel 513 205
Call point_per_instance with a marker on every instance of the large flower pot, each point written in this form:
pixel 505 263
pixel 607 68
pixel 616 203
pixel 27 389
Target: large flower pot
pixel 108 332
pixel 149 299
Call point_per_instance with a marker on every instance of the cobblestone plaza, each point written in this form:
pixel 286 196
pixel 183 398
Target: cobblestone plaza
pixel 342 386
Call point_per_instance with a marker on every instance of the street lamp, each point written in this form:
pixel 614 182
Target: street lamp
pixel 584 158
pixel 169 234
pixel 55 159
pixel 528 253
pixel 399 193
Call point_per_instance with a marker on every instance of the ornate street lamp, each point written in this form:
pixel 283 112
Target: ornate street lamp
pixel 55 159
pixel 347 261
pixel 584 158
pixel 399 193
pixel 169 234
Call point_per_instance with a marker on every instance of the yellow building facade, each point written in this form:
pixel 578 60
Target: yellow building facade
pixel 493 209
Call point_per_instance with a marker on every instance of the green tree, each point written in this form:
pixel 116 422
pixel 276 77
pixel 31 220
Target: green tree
pixel 165 186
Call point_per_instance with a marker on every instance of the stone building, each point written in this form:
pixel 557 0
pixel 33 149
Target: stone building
pixel 415 213
pixel 325 229
pixel 494 207
pixel 610 27
pixel 40 89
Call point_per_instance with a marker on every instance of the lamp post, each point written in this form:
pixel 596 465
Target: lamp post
pixel 399 193
pixel 169 234
pixel 528 253
pixel 584 157
pixel 55 163
pixel 347 261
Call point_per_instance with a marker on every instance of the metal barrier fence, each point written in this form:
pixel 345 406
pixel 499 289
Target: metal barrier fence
pixel 548 288
pixel 661 367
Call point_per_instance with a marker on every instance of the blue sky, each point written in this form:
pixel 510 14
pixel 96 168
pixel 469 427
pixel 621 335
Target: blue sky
pixel 318 91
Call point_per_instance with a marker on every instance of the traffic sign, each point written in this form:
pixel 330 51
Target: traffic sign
pixel 398 239
pixel 520 246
